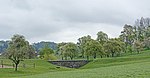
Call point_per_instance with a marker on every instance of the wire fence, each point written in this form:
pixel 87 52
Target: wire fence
pixel 6 64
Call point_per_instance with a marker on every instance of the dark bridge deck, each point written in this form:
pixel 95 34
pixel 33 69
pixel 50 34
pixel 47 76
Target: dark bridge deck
pixel 70 63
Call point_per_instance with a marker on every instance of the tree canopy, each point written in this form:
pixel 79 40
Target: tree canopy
pixel 47 53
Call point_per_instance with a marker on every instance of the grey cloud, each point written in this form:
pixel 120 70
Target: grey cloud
pixel 66 20
pixel 82 11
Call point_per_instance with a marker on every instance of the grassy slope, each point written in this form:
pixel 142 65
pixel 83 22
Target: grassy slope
pixel 41 66
pixel 130 59
pixel 131 66
pixel 136 70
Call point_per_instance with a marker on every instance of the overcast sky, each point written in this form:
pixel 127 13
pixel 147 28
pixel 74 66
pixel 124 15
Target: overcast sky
pixel 67 20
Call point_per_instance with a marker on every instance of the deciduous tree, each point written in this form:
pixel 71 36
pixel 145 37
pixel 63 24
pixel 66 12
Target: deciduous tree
pixel 18 49
pixel 46 53
pixel 102 37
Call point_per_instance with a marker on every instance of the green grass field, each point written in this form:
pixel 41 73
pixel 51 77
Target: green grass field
pixel 131 66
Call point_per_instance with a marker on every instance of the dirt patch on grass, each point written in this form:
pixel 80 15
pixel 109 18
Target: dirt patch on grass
pixel 4 66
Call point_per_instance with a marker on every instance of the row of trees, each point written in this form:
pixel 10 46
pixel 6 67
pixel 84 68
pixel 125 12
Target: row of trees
pixel 88 47
pixel 132 39
pixel 137 36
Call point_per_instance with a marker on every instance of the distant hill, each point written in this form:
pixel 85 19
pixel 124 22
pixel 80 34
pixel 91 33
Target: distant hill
pixel 42 44
pixel 37 46
pixel 3 46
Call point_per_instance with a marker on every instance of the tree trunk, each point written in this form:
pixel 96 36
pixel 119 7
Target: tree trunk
pixel 16 65
pixel 107 55
pixel 65 58
pixel 138 51
pixel 87 57
pixel 94 55
pixel 62 58
pixel 82 55
pixel 71 58
pixel 113 54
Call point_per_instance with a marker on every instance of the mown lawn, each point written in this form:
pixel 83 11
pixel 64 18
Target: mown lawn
pixel 131 66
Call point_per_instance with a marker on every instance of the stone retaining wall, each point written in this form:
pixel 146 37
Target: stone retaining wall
pixel 71 63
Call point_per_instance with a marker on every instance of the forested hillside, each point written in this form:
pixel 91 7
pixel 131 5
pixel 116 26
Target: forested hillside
pixel 3 46
pixel 36 46
pixel 42 44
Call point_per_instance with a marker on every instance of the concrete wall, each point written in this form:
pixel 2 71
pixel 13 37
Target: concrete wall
pixel 70 64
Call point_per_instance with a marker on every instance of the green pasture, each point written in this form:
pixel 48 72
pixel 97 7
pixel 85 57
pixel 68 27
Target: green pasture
pixel 129 66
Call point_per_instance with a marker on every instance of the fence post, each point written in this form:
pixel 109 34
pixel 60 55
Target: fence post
pixel 13 65
pixel 33 65
pixel 2 63
pixel 24 66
